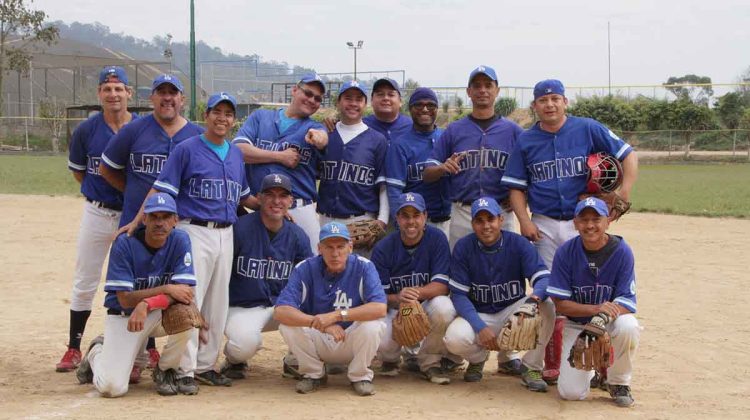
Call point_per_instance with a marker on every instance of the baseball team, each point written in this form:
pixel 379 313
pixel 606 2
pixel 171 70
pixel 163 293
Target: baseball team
pixel 253 231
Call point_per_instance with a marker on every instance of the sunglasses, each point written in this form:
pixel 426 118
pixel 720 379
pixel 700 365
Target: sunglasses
pixel 311 94
pixel 425 105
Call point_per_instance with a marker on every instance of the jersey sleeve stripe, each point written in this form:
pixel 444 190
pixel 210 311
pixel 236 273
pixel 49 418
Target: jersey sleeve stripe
pixel 442 278
pixel 304 294
pixel 459 286
pixel 433 162
pixel 554 291
pixel 241 140
pixel 362 288
pixel 166 186
pixel 538 274
pixel 380 180
pixel 76 167
pixel 395 182
pixel 626 303
pixel 245 192
pixel 185 278
pixel 622 151
pixel 110 163
pixel 514 181
pixel 118 285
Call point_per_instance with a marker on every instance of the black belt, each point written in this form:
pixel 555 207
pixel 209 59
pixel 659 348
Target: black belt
pixel 464 203
pixel 206 223
pixel 111 311
pixel 301 202
pixel 333 216
pixel 440 219
pixel 102 205
pixel 559 218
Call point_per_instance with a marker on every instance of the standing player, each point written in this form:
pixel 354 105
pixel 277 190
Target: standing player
pixel 266 249
pixel 407 156
pixel 594 273
pixel 548 169
pixel 287 141
pixel 103 205
pixel 487 284
pixel 474 151
pixel 387 118
pixel 413 264
pixel 331 310
pixel 147 272
pixel 352 176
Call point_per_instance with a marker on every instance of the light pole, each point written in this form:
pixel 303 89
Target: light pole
pixel 193 93
pixel 355 47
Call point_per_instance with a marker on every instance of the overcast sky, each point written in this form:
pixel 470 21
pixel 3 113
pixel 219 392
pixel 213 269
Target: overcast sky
pixel 438 42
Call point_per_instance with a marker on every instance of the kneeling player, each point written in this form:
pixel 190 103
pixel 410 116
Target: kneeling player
pixel 488 269
pixel 594 274
pixel 147 272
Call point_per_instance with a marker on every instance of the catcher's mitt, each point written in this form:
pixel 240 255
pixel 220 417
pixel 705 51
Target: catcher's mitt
pixel 591 349
pixel 180 317
pixel 411 324
pixel 521 330
pixel 365 233
pixel 616 204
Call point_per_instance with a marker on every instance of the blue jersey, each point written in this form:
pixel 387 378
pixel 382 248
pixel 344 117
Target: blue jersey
pixel 390 130
pixel 572 278
pixel 261 129
pixel 489 279
pixel 351 174
pixel 485 156
pixel 397 268
pixel 405 162
pixel 85 154
pixel 261 265
pixel 552 166
pixel 313 291
pixel 133 267
pixel 141 149
pixel 205 187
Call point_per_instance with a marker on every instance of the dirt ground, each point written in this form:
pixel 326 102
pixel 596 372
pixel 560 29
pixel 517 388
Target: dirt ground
pixel 692 303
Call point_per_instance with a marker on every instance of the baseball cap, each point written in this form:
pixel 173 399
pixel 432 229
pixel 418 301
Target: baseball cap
pixel 113 71
pixel 313 78
pixel 592 203
pixel 485 70
pixel 488 204
pixel 353 84
pixel 386 81
pixel 548 87
pixel 167 78
pixel 411 200
pixel 421 94
pixel 217 98
pixel 276 181
pixel 334 230
pixel 160 202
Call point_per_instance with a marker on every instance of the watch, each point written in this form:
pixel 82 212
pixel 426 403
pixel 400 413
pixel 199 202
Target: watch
pixel 344 313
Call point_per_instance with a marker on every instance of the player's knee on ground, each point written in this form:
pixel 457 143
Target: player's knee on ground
pixel 442 312
pixel 458 339
pixel 572 391
pixel 241 347
pixel 111 387
pixel 626 326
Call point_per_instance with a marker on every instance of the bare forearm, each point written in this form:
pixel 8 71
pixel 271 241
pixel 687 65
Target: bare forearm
pixel 130 299
pixel 252 154
pixel 630 174
pixel 78 176
pixel 368 312
pixel 575 309
pixel 291 316
pixel 115 177
pixel 433 173
pixel 518 204
pixel 432 289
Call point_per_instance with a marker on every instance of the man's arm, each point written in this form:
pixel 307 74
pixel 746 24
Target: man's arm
pixel 252 154
pixel 115 177
pixel 291 316
pixel 629 174
pixel 176 293
pixel 78 176
pixel 450 167
pixel 518 203
pixel 580 310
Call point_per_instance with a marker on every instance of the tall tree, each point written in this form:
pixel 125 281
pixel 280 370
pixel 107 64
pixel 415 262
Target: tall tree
pixel 730 109
pixel 684 87
pixel 20 28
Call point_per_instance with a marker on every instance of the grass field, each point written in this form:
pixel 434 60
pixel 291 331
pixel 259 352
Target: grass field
pixel 696 190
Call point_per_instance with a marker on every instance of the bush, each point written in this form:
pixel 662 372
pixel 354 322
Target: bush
pixel 505 106
pixel 612 111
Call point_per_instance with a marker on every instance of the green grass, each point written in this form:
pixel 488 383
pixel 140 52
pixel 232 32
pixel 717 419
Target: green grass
pixel 696 190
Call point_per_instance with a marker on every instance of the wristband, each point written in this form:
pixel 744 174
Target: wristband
pixel 157 302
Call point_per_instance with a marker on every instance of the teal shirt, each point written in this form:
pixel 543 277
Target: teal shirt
pixel 284 121
pixel 220 150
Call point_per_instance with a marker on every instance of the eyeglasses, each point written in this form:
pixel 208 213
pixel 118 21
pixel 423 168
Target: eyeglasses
pixel 311 94
pixel 422 105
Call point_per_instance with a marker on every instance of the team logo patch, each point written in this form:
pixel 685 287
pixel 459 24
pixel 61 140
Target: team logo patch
pixel 480 68
pixel 483 203
pixel 335 229
pixel 548 90
pixel 167 77
pixel 277 179
pixel 355 83
pixel 161 200
pixel 188 259
pixel 409 197
pixel 590 202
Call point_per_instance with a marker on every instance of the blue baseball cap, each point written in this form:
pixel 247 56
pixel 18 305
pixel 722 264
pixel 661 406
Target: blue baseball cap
pixel 411 200
pixel 353 84
pixel 276 181
pixel 421 94
pixel 113 71
pixel 488 204
pixel 217 98
pixel 592 203
pixel 548 87
pixel 313 78
pixel 334 230
pixel 160 202
pixel 386 81
pixel 485 70
pixel 167 78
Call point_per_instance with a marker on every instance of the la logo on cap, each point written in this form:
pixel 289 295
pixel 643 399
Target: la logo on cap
pixel 548 90
pixel 277 179
pixel 160 200
pixel 480 68
pixel 409 197
pixel 224 96
pixel 355 83
pixel 334 229
pixel 590 201
pixel 167 77
pixel 483 203
pixel 317 77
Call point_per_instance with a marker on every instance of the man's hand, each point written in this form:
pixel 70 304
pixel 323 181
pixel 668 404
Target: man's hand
pixel 488 339
pixel 322 321
pixel 336 331
pixel 317 138
pixel 330 124
pixel 129 228
pixel 530 230
pixel 289 157
pixel 408 294
pixel 138 317
pixel 608 308
pixel 451 165
pixel 180 292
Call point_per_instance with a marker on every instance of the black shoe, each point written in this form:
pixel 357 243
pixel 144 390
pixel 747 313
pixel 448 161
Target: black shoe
pixel 234 370
pixel 308 385
pixel 165 381
pixel 84 373
pixel 187 385
pixel 213 378
pixel 474 372
pixel 449 366
pixel 290 371
pixel 621 395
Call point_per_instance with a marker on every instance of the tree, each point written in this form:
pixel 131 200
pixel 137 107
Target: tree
pixel 409 86
pixel 684 88
pixel 730 109
pixel 459 105
pixel 52 112
pixel 505 106
pixel 23 27
pixel 688 116
pixel 612 111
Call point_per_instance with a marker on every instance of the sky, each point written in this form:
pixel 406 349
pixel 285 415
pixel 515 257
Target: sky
pixel 439 42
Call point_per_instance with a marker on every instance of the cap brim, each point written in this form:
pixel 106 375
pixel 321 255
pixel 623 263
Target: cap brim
pixel 166 83
pixel 598 211
pixel 158 209
pixel 335 235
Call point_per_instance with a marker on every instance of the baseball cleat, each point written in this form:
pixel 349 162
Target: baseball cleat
pixel 474 372
pixel 449 366
pixel 187 385
pixel 532 379
pixel 84 373
pixel 234 370
pixel 511 367
pixel 412 365
pixel 363 388
pixel 389 369
pixel 621 395
pixel 213 378
pixel 436 376
pixel 290 371
pixel 70 360
pixel 135 375
pixel 165 381
pixel 308 385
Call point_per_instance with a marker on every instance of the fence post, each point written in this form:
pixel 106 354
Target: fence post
pixel 26 129
pixel 734 142
pixel 687 144
pixel 669 151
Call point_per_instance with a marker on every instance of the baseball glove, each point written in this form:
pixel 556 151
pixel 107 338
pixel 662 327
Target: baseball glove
pixel 616 204
pixel 365 233
pixel 180 317
pixel 411 324
pixel 521 330
pixel 591 349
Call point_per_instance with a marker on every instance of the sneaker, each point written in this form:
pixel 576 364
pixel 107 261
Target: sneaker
pixel 165 381
pixel 70 360
pixel 187 385
pixel 599 381
pixel 291 371
pixel 621 395
pixel 336 369
pixel 135 375
pixel 533 380
pixel 153 358
pixel 84 373
pixel 436 376
pixel 412 365
pixel 363 388
pixel 449 366
pixel 308 385
pixel 213 378
pixel 474 372
pixel 550 376
pixel 511 367
pixel 234 370
pixel 389 369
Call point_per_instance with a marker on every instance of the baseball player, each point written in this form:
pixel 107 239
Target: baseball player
pixel 387 118
pixel 548 169
pixel 352 176
pixel 413 264
pixel 407 156
pixel 103 203
pixel 266 249
pixel 591 274
pixel 147 272
pixel 474 151
pixel 488 269
pixel 287 141
pixel 331 311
